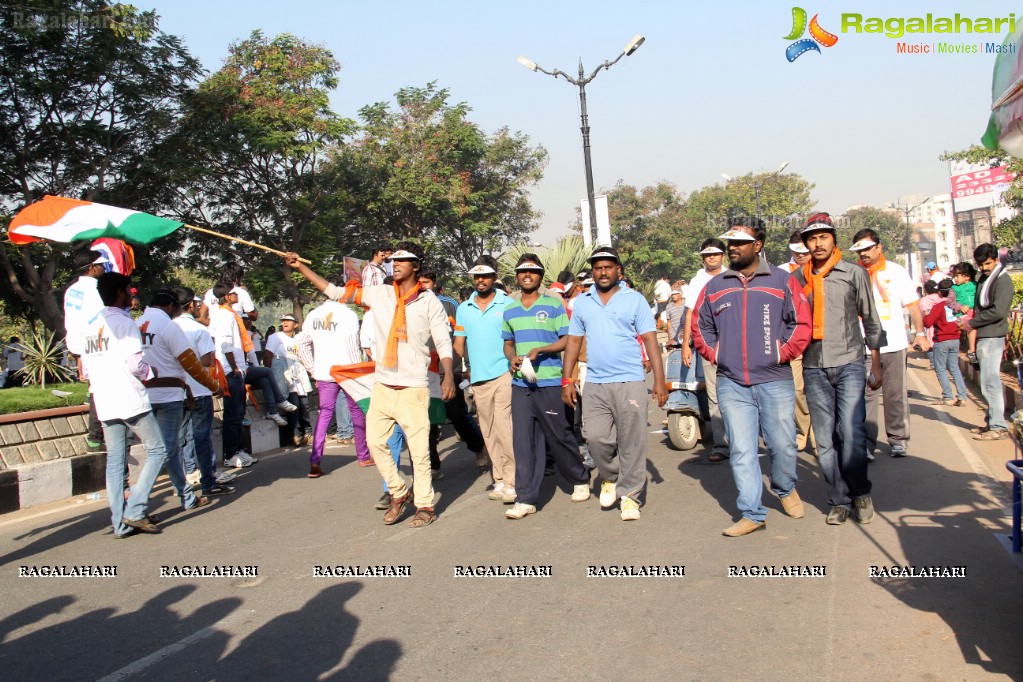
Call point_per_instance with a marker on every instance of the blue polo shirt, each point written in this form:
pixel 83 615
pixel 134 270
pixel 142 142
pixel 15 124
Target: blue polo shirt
pixel 612 351
pixel 482 332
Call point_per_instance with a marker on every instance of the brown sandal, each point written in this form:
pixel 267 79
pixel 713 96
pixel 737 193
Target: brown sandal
pixel 424 517
pixel 398 505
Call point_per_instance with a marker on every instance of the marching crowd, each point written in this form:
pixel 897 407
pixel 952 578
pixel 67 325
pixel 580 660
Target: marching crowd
pixel 798 355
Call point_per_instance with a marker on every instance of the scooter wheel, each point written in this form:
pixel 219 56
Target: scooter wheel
pixel 683 430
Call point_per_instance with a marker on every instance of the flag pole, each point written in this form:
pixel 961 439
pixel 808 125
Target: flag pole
pixel 241 241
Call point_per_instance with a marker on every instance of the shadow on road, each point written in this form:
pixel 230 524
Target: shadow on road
pixel 306 644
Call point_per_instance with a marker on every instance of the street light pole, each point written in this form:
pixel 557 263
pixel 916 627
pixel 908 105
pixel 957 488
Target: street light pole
pixel 581 83
pixel 907 210
pixel 758 183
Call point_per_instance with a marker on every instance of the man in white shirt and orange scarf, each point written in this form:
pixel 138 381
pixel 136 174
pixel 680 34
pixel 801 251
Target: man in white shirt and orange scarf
pixel 894 295
pixel 833 371
pixel 411 320
pixel 804 428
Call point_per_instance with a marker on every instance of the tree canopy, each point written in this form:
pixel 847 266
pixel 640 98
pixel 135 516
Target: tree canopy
pixel 85 109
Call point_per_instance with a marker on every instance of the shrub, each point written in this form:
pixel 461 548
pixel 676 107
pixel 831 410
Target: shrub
pixel 42 360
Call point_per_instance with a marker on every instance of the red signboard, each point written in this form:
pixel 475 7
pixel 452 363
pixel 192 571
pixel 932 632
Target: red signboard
pixel 980 182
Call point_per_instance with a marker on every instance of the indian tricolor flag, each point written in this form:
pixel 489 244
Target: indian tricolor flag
pixel 59 219
pixel 357 381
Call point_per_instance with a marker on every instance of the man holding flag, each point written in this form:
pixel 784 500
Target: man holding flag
pixel 409 319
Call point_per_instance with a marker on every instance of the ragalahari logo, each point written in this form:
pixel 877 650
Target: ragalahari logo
pixel 817 35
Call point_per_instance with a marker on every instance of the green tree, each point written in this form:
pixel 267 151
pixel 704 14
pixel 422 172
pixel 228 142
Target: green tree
pixel 890 226
pixel 263 130
pixel 86 104
pixel 1009 231
pixel 647 229
pixel 429 174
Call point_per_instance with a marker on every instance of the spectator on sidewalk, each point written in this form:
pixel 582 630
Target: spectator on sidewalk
pixel 281 356
pixel 990 319
pixel 941 319
pixel 965 290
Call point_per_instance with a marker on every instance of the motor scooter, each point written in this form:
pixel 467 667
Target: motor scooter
pixel 687 406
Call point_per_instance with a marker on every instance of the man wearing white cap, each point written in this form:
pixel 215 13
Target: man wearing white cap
pixel 82 305
pixel 752 321
pixel 478 324
pixel 894 295
pixel 281 356
pixel 712 253
pixel 535 333
pixel 408 320
pixel 804 429
pixel 611 316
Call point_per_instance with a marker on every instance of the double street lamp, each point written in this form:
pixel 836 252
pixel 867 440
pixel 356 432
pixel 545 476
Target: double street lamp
pixel 581 83
pixel 758 182
pixel 906 210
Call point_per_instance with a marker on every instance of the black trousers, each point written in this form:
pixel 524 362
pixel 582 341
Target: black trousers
pixel 538 420
pixel 465 426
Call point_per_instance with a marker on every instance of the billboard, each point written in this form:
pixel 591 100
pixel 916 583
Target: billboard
pixel 977 186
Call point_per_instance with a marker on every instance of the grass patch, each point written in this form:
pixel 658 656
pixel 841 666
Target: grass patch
pixel 27 398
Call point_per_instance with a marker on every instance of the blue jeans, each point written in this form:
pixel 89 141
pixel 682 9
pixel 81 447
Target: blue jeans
pixel 115 434
pixel 345 428
pixel 234 412
pixel 746 411
pixel 989 354
pixel 946 361
pixel 835 396
pixel 169 416
pixel 196 439
pixel 263 379
pixel 395 443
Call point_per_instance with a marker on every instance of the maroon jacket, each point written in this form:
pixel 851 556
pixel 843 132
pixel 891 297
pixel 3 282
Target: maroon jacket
pixel 943 329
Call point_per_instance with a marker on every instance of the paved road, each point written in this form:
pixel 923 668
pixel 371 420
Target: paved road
pixel 940 507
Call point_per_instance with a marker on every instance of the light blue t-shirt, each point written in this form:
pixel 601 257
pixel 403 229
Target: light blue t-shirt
pixel 612 350
pixel 482 332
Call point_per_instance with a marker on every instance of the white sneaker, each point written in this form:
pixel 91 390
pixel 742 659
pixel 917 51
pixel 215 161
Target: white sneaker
pixel 519 510
pixel 607 494
pixel 286 406
pixel 278 419
pixel 509 494
pixel 194 478
pixel 247 457
pixel 581 492
pixel 225 476
pixel 630 509
pixel 498 492
pixel 237 462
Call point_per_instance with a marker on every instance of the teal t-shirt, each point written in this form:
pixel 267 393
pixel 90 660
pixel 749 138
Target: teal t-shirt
pixel 542 324
pixel 966 294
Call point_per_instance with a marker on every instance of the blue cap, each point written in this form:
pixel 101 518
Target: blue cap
pixel 932 266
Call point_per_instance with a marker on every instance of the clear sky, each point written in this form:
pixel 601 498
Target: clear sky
pixel 710 91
